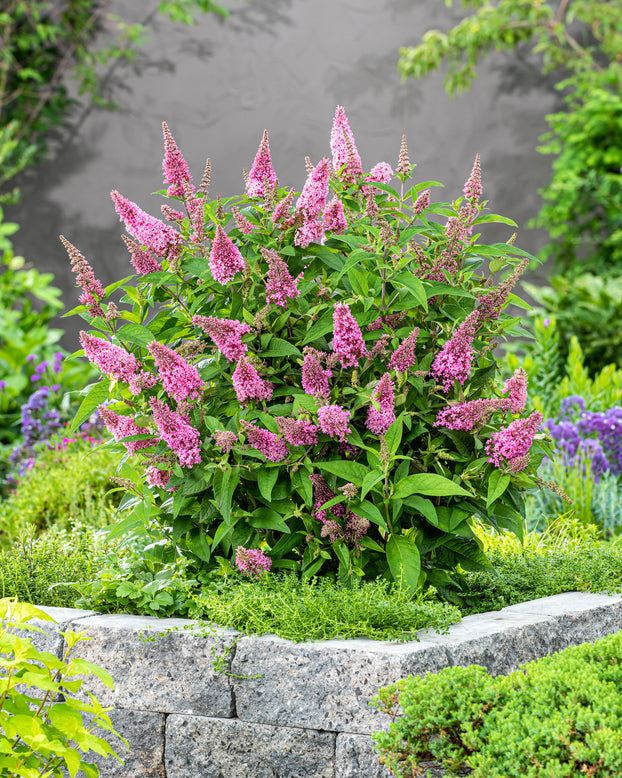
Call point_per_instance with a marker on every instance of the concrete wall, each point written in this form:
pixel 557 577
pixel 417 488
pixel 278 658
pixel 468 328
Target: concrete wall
pixel 290 710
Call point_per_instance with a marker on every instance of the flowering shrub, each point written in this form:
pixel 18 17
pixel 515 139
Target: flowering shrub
pixel 310 378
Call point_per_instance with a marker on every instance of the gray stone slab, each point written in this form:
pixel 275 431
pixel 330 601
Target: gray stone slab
pixel 356 757
pixel 159 665
pixel 198 747
pixel 144 732
pixel 567 603
pixel 325 686
pixel 50 639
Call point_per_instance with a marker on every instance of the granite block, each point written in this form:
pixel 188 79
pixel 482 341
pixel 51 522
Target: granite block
pixel 355 757
pixel 50 638
pixel 159 665
pixel 198 747
pixel 144 732
pixel 324 686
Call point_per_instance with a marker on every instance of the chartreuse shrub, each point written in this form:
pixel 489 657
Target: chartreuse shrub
pixel 42 727
pixel 68 482
pixel 310 378
pixel 559 716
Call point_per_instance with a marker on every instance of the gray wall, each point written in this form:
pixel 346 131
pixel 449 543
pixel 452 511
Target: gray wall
pixel 282 65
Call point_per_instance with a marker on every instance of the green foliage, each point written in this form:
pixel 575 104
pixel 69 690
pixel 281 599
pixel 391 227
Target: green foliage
pixel 42 42
pixel 66 484
pixel 558 716
pixel 582 42
pixel 320 609
pixel 42 729
pixel 588 307
pixel 37 568
pixel 410 488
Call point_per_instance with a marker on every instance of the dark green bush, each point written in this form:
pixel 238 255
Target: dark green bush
pixel 559 716
pixel 64 485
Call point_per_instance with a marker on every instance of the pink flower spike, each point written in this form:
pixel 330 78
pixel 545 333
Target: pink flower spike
pixel 280 285
pixel 333 421
pixel 268 443
pixel 455 358
pixel 470 415
pixel 422 203
pixel 517 388
pixel 312 200
pixel 473 187
pixel 296 432
pixel 142 260
pixel 180 380
pixel 112 360
pixel 314 376
pixel 334 218
pixel 262 172
pixel 403 357
pixel 379 421
pixel 225 440
pixel 225 259
pixel 226 334
pixel 343 148
pixel 241 222
pixel 156 477
pixel 252 562
pixel 381 173
pixel 176 171
pixel 149 231
pixel 310 232
pixel 248 385
pixel 180 436
pixel 123 427
pixel 348 341
pixel 92 290
pixel 511 444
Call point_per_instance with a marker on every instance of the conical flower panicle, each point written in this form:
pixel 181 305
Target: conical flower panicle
pixel 175 168
pixel 92 290
pixel 280 285
pixel 225 259
pixel 379 421
pixel 473 186
pixel 266 442
pixel 510 446
pixel 314 377
pixel 142 260
pixel 348 341
pixel 180 380
pixel 454 360
pixel 334 217
pixel 123 427
pixel 248 385
pixel 179 435
pixel 403 358
pixel 226 334
pixel 112 360
pixel 344 149
pixel 517 388
pixel 262 177
pixel 158 237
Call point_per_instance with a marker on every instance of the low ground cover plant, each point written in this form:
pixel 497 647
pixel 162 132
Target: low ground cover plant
pixel 45 731
pixel 558 716
pixel 310 378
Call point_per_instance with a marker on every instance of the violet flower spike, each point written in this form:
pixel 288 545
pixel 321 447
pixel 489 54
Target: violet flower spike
pixel 343 147
pixel 225 259
pixel 261 173
pixel 348 341
pixel 175 168
pixel 158 237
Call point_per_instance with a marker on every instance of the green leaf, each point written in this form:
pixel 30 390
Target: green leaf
pixel 423 506
pixel 196 542
pixel 319 329
pixel 266 518
pixel 369 511
pixel 370 480
pixel 349 471
pixel 431 484
pixel 414 285
pixel 341 550
pixel 393 435
pixel 97 395
pixel 281 348
pixel 497 484
pixel 266 478
pixel 135 333
pixel 404 560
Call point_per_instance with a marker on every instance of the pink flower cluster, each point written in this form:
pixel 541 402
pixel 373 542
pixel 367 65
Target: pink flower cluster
pixel 404 357
pixel 391 320
pixel 157 477
pixel 226 334
pixel 280 284
pixel 175 168
pixel 149 231
pixel 262 173
pixel 143 260
pixel 241 222
pixel 180 380
pixel 123 427
pixel 252 561
pixel 248 384
pixel 517 388
pixel 344 148
pixel 355 526
pixel 314 376
pixel 422 203
pixel 225 259
pixel 381 173
pixel 473 187
pixel 333 421
pixel 379 420
pixel 175 430
pixel 454 360
pixel 510 446
pixel 92 290
pixel 225 440
pixel 348 341
pixel 334 218
pixel 112 360
pixel 268 443
pixel 470 415
pixel 296 432
pixel 311 204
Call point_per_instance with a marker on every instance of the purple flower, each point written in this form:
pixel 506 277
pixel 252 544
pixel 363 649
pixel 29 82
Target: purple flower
pixel 158 237
pixel 180 436
pixel 180 380
pixel 403 357
pixel 314 376
pixel 348 341
pixel 226 333
pixel 514 441
pixel 455 358
pixel 252 561
pixel 379 420
pixel 268 443
pixel 333 420
pixel 248 385
pixel 262 173
pixel 175 168
pixel 225 259
pixel 280 285
pixel 343 148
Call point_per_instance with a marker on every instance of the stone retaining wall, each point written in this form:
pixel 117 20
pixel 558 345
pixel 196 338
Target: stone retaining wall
pixel 283 709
